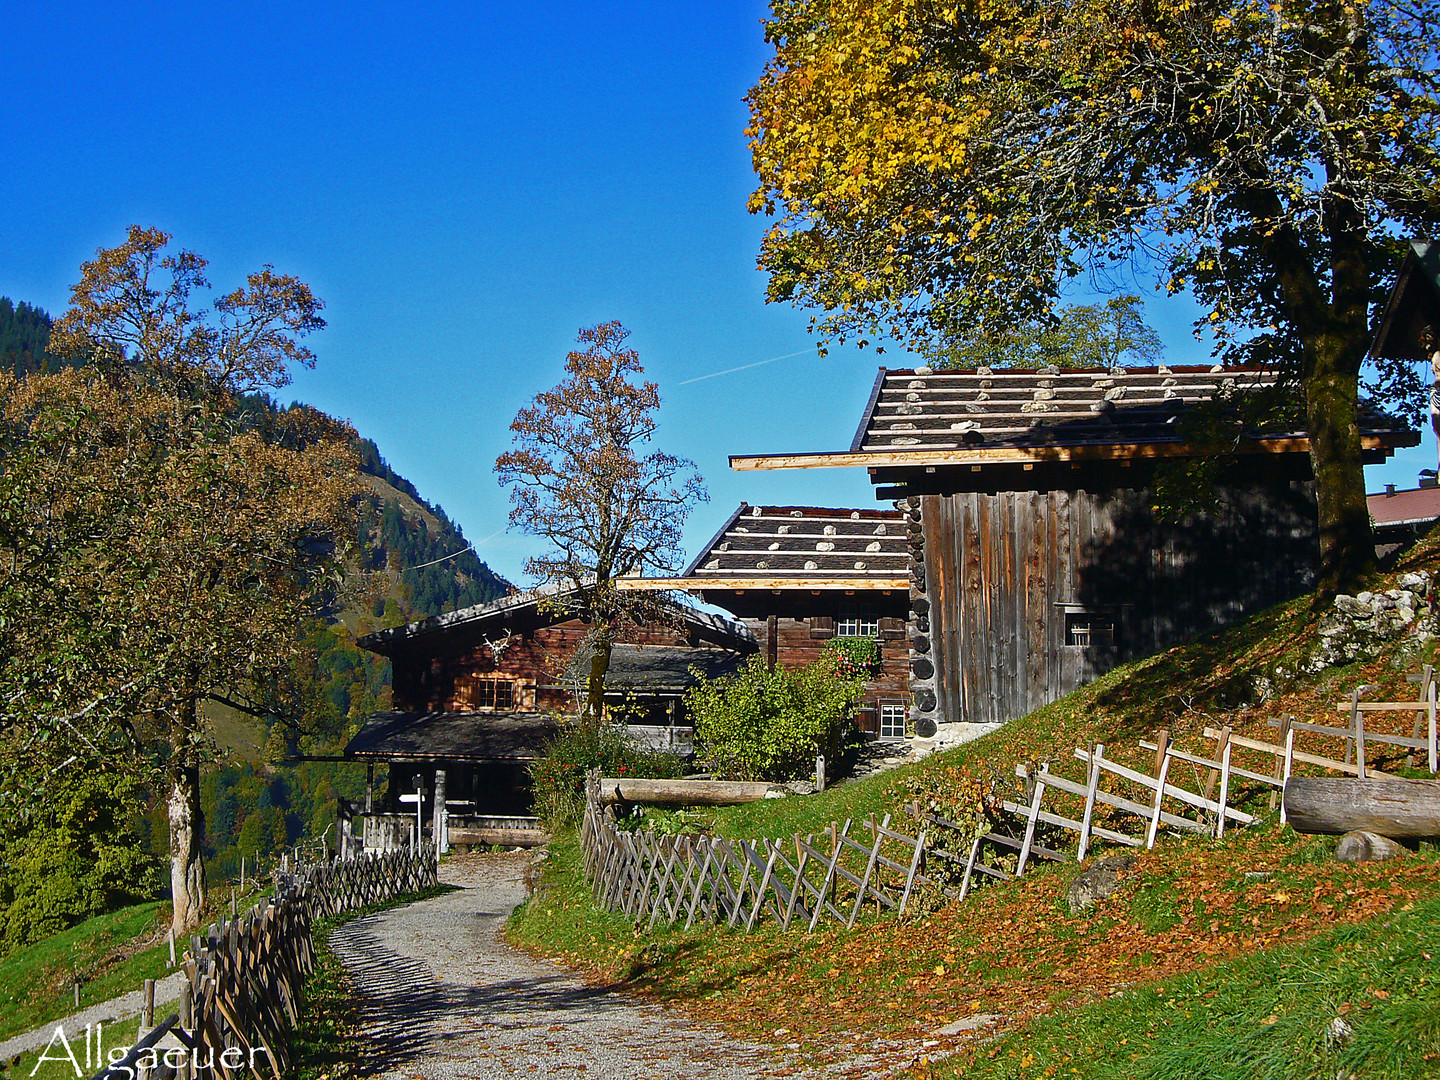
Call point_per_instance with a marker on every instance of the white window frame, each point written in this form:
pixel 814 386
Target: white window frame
pixel 893 716
pixel 857 623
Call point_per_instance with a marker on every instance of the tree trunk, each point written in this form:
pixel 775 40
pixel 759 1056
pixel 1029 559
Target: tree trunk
pixel 1347 549
pixel 187 867
pixel 595 687
pixel 1332 384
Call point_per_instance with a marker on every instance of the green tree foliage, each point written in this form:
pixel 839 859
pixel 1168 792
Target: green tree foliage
pixel 933 167
pixel 557 776
pixel 1109 335
pixel 769 723
pixel 78 853
pixel 578 481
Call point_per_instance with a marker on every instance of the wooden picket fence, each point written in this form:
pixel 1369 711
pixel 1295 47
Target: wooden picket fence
pixel 742 882
pixel 241 1001
pixel 739 883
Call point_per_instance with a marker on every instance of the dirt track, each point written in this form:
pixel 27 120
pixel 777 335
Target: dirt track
pixel 443 997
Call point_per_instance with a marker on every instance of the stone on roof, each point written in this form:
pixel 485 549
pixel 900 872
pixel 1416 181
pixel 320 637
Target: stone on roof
pixel 809 542
pixel 995 407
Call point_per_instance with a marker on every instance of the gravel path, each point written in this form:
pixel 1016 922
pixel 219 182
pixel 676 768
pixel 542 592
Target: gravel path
pixel 124 1007
pixel 444 998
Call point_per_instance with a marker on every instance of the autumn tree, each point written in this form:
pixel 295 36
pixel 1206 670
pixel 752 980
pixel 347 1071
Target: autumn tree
pixel 934 166
pixel 579 482
pixel 160 546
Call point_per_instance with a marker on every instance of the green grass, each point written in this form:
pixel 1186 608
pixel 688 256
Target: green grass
pixel 1263 1017
pixel 105 953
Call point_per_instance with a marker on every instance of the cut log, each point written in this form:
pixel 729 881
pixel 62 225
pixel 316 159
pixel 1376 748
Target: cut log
pixel 1399 809
pixel 683 792
pixel 499 837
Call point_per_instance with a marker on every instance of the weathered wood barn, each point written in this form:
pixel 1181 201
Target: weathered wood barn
pixel 1037 558
pixel 476 693
pixel 801 576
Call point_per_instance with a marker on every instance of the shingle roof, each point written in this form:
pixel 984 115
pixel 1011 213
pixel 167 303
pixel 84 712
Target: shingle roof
pixel 480 618
pixel 1414 507
pixel 453 735
pixel 812 543
pixel 923 409
pixel 654 668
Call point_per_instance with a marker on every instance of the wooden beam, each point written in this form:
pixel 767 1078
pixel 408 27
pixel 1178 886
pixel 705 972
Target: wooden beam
pixel 1399 809
pixel 682 792
pixel 1009 455
pixel 733 580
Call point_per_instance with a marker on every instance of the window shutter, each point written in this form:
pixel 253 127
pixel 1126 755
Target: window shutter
pixel 892 628
pixel 822 626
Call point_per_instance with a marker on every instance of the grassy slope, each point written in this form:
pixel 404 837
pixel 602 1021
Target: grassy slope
pixel 1214 958
pixel 111 954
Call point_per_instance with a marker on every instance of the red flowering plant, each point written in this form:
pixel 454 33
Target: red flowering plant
pixel 852 657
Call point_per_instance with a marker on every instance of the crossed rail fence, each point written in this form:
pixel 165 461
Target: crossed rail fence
pixel 239 1003
pixel 839 874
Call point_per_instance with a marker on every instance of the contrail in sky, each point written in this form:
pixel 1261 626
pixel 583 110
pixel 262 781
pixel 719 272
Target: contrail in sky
pixel 742 367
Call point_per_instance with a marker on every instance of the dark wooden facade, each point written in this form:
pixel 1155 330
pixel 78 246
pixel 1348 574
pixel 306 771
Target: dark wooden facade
pixel 477 692
pixel 799 576
pixel 1031 594
pixel 1035 558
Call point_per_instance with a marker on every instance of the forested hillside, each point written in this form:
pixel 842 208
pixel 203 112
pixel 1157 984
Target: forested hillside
pixel 24 337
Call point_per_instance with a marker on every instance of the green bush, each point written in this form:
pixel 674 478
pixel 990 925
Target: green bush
pixel 77 856
pixel 768 724
pixel 557 777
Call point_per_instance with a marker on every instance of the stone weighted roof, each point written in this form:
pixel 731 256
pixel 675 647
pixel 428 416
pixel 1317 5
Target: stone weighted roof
pixel 805 542
pixel 921 409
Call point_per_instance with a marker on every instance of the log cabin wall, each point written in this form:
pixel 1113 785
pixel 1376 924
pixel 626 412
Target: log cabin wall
pixel 1017 581
pixel 440 678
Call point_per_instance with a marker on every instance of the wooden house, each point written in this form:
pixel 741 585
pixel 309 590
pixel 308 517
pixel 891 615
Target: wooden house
pixel 477 692
pixel 1037 558
pixel 801 576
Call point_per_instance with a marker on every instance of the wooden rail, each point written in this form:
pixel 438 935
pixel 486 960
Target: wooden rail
pixel 244 975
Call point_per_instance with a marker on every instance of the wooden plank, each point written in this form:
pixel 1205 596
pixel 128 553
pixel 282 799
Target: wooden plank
pixel 915 861
pixel 1370 736
pixel 1295 756
pixel 614 790
pixel 981 455
pixel 1198 801
pixel 735 579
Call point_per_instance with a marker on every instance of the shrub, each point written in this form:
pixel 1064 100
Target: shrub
pixel 77 856
pixel 768 724
pixel 557 777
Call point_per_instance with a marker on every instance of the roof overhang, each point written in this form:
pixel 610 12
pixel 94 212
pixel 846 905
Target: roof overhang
pixel 1014 455
pixel 760 581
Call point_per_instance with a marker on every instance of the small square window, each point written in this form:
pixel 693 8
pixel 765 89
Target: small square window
pixel 892 720
pixel 1090 630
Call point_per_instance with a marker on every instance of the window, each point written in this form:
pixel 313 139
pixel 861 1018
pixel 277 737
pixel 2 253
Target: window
pixel 892 720
pixel 477 693
pixel 1090 630
pixel 854 622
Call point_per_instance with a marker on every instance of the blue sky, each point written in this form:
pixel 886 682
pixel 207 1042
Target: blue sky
pixel 465 186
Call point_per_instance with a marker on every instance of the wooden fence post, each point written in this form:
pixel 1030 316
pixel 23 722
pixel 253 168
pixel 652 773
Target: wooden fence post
pixel 1090 789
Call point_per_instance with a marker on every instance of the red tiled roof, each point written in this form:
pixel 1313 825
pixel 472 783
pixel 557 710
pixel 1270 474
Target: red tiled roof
pixel 1405 507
